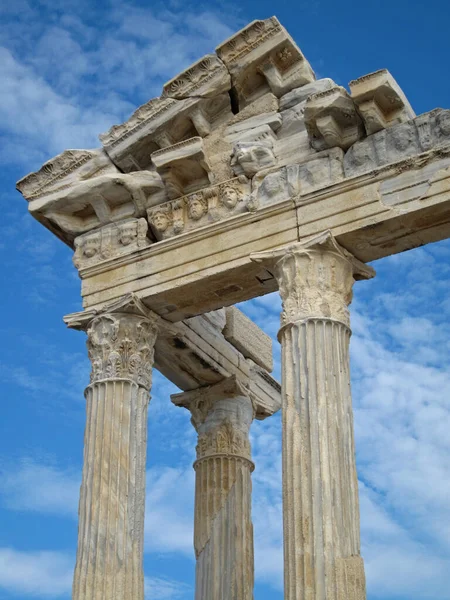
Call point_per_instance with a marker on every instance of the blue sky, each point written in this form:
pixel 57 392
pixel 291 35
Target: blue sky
pixel 69 70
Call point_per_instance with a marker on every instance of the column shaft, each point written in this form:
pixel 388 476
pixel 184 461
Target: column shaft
pixel 320 485
pixel 320 494
pixel 223 536
pixel 112 495
pixel 223 530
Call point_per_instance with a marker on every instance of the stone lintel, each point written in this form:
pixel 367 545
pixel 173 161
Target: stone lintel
pixel 248 338
pixel 227 388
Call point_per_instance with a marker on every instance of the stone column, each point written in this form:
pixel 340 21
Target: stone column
pixel 320 485
pixel 223 530
pixel 112 496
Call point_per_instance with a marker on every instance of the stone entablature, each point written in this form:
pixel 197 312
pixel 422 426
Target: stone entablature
pixel 253 110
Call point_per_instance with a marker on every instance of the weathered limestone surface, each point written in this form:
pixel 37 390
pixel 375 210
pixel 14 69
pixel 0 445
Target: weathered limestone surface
pixel 223 530
pixel 320 485
pixel 112 497
pixel 380 101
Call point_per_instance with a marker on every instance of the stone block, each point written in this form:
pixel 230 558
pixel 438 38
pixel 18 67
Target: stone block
pixel 380 101
pixel 159 123
pixel 301 94
pixel 81 190
pixel 183 167
pixel 248 338
pixel 272 119
pixel 263 57
pixel 331 120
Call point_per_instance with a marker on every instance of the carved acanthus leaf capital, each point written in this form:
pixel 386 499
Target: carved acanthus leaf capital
pixel 315 278
pixel 121 340
pixel 222 415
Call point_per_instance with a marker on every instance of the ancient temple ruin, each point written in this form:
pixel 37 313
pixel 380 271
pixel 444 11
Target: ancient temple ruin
pixel 246 176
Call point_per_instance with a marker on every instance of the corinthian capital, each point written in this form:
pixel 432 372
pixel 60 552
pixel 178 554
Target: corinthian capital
pixel 315 278
pixel 121 340
pixel 222 415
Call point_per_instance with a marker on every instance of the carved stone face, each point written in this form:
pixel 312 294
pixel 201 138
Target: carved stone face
pixel 160 221
pixel 402 138
pixel 443 121
pixel 127 234
pixel 361 154
pixel 229 197
pixel 254 157
pixel 196 208
pixel 91 246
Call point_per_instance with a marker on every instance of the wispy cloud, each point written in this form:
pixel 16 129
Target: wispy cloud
pixel 65 80
pixel 40 574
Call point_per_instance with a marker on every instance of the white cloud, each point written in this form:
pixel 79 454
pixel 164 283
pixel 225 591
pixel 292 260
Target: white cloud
pixel 68 81
pixel 157 588
pixel 30 486
pixel 37 574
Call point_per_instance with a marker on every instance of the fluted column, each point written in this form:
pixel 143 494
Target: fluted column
pixel 112 495
pixel 223 530
pixel 320 485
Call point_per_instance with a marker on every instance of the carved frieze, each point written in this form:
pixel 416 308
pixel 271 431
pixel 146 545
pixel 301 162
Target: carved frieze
pixel 201 208
pixel 121 346
pixel 110 241
pixel 427 131
pixel 320 171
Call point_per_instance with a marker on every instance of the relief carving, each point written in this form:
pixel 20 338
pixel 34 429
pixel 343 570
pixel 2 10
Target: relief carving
pixel 111 241
pixel 201 208
pixel 250 157
pixel 225 439
pixel 399 142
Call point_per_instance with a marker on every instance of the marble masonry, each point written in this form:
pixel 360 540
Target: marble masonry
pixel 246 176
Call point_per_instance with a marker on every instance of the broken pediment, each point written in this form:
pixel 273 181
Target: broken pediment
pixel 237 132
